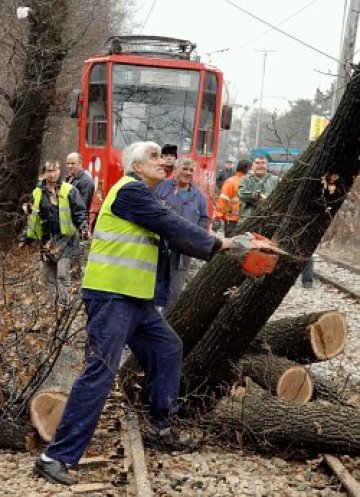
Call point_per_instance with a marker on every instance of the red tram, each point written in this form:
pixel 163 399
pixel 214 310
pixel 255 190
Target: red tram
pixel 149 88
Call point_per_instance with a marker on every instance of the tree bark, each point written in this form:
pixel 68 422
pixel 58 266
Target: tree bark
pixel 262 418
pixel 285 379
pixel 14 435
pixel 30 105
pixel 313 337
pixel 319 195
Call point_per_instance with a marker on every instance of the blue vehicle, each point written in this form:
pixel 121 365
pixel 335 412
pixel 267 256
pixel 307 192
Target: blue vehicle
pixel 280 159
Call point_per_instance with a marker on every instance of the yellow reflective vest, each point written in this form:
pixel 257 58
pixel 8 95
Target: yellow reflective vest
pixel 123 255
pixel 34 224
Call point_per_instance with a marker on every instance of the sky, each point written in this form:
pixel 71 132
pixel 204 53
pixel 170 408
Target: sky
pixel 292 70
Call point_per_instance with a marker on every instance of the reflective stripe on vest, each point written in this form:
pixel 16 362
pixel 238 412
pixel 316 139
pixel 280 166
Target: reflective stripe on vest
pixel 123 255
pixel 34 229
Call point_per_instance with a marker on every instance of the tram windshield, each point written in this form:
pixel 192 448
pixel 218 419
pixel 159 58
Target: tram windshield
pixel 152 103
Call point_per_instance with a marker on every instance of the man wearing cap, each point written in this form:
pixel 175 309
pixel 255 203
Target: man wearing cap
pixel 169 154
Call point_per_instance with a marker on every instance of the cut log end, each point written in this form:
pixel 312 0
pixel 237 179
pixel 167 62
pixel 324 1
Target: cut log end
pixel 46 408
pixel 328 335
pixel 295 385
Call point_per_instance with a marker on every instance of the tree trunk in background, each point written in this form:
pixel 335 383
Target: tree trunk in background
pixel 30 102
pixel 319 195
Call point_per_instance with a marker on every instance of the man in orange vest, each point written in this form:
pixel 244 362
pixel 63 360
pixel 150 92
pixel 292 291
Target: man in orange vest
pixel 227 204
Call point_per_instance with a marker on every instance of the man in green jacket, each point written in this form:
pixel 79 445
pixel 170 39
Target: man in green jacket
pixel 256 186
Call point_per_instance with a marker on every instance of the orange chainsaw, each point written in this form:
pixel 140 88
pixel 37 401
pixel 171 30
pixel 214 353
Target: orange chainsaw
pixel 257 254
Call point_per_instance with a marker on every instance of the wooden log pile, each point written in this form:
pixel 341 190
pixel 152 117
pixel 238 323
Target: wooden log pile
pixel 276 400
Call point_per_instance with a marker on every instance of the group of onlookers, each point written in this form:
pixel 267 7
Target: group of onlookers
pixel 60 213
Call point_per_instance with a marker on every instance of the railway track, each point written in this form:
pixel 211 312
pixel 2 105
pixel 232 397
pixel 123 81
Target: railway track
pixel 118 468
pixel 338 274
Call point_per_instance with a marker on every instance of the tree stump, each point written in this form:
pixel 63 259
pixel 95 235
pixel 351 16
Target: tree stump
pixel 46 408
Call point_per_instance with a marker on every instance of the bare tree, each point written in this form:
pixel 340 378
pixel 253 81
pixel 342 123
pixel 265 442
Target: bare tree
pixel 35 85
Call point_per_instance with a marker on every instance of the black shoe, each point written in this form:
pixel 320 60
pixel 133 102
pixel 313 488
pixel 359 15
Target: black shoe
pixel 53 471
pixel 167 440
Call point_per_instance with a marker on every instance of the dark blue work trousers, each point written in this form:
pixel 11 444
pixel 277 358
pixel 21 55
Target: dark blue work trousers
pixel 307 275
pixel 111 324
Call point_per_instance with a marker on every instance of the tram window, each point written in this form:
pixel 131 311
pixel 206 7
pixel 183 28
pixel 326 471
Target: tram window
pixel 152 103
pixel 96 117
pixel 205 141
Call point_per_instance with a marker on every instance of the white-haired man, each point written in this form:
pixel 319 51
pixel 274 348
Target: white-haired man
pixel 118 291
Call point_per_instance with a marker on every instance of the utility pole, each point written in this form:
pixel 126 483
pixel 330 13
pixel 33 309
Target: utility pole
pixel 346 52
pixel 259 116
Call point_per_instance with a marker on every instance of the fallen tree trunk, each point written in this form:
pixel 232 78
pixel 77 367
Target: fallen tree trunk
pixel 265 419
pixel 285 379
pixel 313 337
pixel 318 197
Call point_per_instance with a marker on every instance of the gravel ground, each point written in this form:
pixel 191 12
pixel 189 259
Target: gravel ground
pixel 216 472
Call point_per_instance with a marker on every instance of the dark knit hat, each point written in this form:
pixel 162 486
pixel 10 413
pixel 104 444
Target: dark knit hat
pixel 169 149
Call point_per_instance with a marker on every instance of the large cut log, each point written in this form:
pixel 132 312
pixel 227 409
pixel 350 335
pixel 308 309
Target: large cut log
pixel 265 419
pixel 15 435
pixel 285 379
pixel 318 197
pixel 313 337
pixel 46 408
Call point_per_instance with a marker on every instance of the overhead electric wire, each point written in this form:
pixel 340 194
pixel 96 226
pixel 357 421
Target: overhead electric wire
pixel 282 31
pixel 148 16
pixel 264 32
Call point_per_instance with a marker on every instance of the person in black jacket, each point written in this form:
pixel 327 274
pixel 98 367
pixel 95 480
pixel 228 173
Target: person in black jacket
pixel 80 178
pixel 56 215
